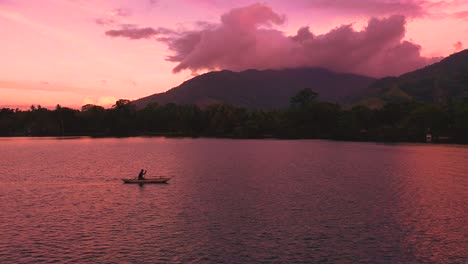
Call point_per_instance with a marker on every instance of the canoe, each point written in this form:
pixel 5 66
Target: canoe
pixel 148 180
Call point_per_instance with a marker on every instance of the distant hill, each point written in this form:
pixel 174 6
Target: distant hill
pixel 445 79
pixel 273 88
pixel 263 89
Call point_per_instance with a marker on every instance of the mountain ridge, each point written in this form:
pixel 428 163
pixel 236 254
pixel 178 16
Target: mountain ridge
pixel 269 89
pixel 446 79
pixel 262 88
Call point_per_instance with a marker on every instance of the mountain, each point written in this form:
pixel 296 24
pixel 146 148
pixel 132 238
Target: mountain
pixel 263 89
pixel 273 88
pixel 445 79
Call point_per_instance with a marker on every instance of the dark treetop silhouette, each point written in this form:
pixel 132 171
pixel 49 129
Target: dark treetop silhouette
pixel 305 118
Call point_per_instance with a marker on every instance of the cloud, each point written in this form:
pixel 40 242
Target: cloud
pixel 115 16
pixel 105 21
pixel 461 15
pixel 252 16
pixel 133 32
pixel 241 42
pixel 120 12
pixel 44 86
pixel 409 8
pixel 4 2
pixel 246 39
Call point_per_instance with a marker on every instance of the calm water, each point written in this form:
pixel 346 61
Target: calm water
pixel 232 201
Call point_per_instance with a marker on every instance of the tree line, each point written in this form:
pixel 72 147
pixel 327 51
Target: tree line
pixel 305 118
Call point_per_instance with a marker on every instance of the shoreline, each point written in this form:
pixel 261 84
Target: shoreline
pixel 235 138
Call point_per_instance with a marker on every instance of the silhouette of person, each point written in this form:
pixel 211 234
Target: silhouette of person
pixel 141 174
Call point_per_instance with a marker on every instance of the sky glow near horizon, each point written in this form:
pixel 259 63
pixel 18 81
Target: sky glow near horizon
pixel 74 52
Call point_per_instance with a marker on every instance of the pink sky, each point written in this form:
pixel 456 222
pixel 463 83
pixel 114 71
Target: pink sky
pixel 73 52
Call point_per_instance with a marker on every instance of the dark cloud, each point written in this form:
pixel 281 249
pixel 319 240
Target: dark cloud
pixel 245 39
pixel 133 32
pixel 104 21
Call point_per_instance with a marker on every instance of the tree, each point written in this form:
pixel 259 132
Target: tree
pixel 121 103
pixel 122 118
pixel 303 98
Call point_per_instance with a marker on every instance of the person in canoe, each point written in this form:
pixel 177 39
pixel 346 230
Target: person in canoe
pixel 141 174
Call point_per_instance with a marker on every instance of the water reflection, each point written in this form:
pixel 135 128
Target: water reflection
pixel 232 201
pixel 431 204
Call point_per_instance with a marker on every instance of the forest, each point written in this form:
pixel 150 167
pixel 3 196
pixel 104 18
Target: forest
pixel 305 118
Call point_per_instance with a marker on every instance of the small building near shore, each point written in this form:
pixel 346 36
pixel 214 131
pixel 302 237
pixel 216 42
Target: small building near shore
pixel 428 138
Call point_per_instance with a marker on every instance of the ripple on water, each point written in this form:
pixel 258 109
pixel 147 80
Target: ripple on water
pixel 232 201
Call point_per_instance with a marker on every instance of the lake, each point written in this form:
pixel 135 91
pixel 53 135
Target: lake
pixel 232 201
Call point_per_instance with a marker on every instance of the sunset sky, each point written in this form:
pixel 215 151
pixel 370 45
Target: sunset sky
pixel 74 52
